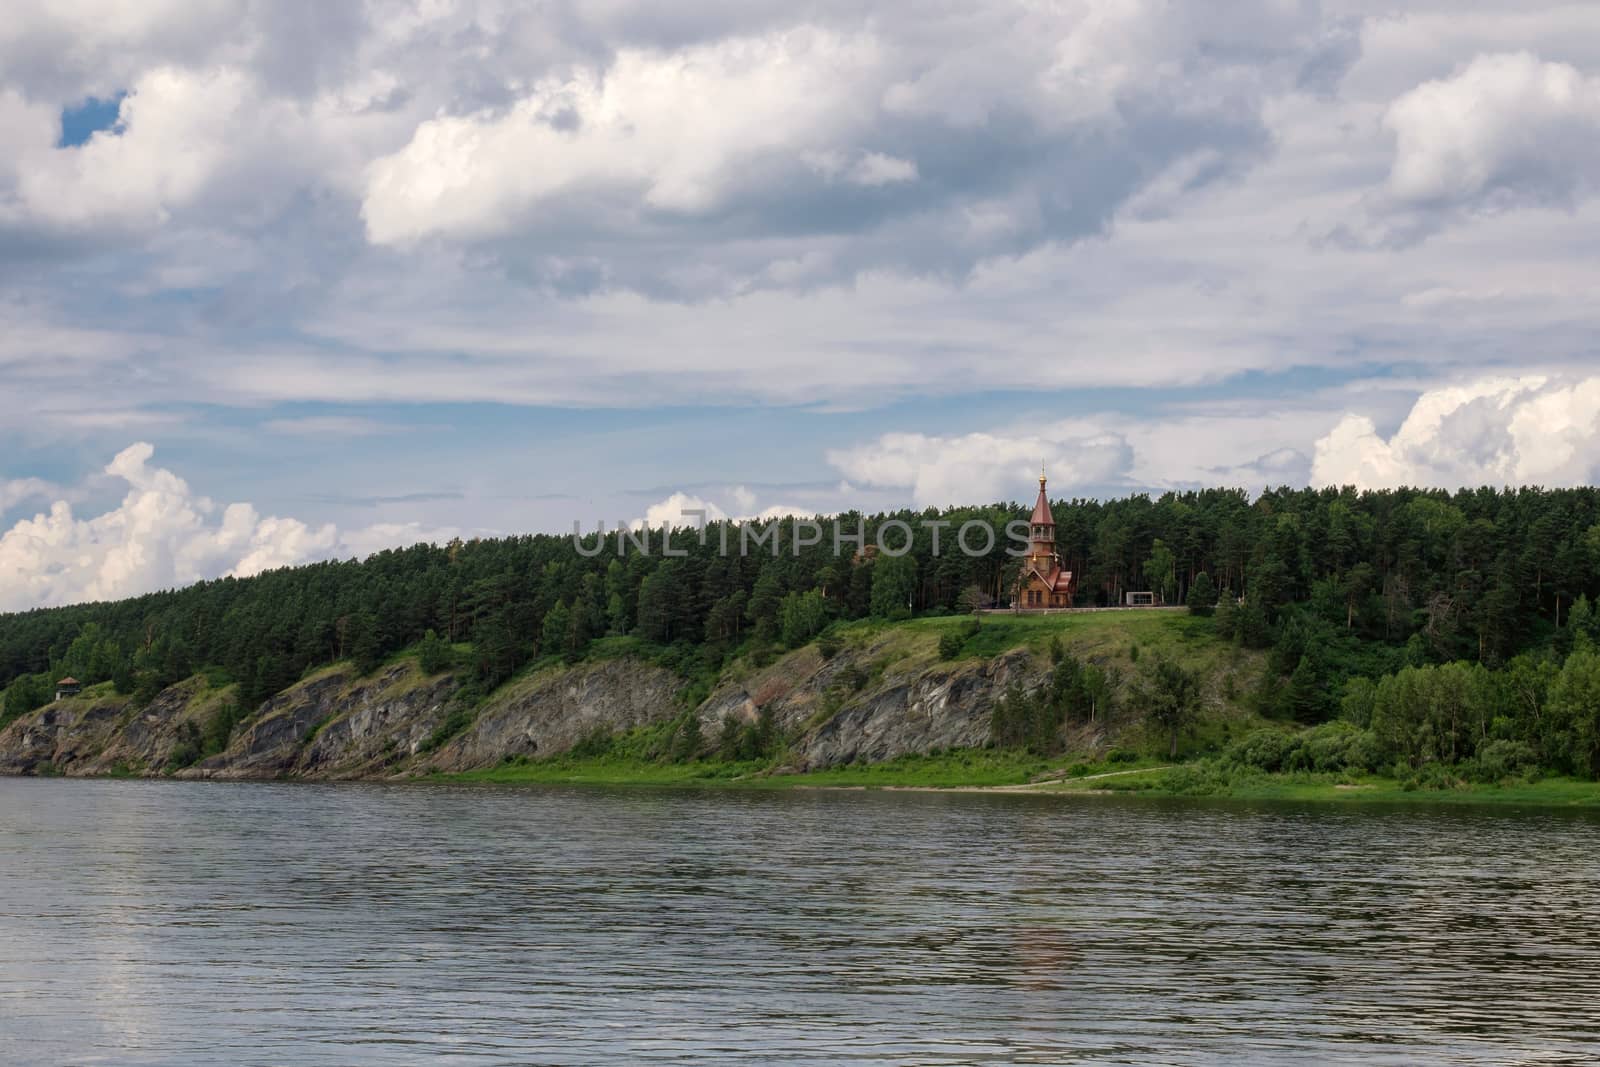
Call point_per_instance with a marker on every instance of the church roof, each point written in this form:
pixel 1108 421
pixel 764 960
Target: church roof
pixel 1041 508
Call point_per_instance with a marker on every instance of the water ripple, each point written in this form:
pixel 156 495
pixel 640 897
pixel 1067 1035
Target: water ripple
pixel 161 922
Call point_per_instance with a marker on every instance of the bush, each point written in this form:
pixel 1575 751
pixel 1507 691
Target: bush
pixel 1503 759
pixel 829 646
pixel 434 654
pixel 596 743
pixel 1264 750
pixel 1330 748
pixel 951 642
pixel 1337 746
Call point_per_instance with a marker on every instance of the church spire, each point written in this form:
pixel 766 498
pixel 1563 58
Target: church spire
pixel 1041 508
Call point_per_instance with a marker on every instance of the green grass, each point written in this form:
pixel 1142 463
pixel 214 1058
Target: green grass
pixel 1090 633
pixel 1191 780
pixel 967 767
pixel 980 768
pixel 954 769
pixel 603 770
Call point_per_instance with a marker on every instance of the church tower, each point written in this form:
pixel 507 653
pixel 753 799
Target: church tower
pixel 1043 582
pixel 1042 531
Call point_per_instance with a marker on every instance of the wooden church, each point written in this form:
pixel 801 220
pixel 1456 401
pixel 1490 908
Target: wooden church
pixel 1043 583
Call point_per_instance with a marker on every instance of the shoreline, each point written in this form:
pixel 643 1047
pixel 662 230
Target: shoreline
pixel 1183 781
pixel 1550 793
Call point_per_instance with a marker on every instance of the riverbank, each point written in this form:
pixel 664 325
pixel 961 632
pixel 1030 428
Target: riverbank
pixel 1008 773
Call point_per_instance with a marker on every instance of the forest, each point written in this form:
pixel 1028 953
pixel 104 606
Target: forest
pixel 1441 622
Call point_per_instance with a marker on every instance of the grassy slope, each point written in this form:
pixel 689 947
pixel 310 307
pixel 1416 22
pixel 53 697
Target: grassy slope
pixel 1116 639
pixel 1108 638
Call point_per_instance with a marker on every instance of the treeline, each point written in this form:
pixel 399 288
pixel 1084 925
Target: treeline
pixel 1338 584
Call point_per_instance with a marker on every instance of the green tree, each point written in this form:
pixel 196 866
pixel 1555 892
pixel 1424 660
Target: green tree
pixel 1160 571
pixel 553 630
pixel 1202 595
pixel 802 615
pixel 766 599
pixel 894 583
pixel 1575 714
pixel 1168 696
pixel 434 654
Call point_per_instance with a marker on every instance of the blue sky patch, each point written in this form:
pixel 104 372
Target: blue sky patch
pixel 80 123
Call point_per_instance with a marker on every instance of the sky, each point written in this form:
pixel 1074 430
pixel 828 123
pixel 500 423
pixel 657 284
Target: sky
pixel 290 281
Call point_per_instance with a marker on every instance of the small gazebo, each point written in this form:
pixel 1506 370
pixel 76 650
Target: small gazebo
pixel 68 687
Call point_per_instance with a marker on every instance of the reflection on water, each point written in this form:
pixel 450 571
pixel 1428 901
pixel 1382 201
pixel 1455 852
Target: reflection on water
pixel 159 922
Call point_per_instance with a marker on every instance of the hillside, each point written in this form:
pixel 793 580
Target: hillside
pixel 867 692
pixel 1455 633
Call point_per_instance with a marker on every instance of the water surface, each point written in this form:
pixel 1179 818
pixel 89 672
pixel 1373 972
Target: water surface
pixel 148 922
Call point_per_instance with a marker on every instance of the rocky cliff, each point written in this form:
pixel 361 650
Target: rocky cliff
pixel 876 700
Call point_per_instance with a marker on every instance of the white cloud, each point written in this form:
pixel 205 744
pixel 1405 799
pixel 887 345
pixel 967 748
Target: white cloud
pixel 872 169
pixel 162 535
pixel 1499 432
pixel 1506 131
pixel 977 467
pixel 365 541
pixel 691 510
pixel 669 132
pixel 170 139
pixel 675 511
pixel 16 490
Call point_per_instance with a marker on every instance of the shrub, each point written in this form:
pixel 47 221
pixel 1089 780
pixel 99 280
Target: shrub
pixel 1338 746
pixel 828 646
pixel 594 744
pixel 1504 759
pixel 434 654
pixel 1198 780
pixel 1264 750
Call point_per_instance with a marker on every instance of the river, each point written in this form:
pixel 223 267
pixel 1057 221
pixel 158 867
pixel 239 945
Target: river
pixel 146 922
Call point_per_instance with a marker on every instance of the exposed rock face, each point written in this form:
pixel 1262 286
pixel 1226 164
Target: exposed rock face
pixel 940 708
pixel 869 703
pixel 837 712
pixel 336 726
pixel 550 712
pixel 63 737
pixel 377 727
pixel 106 736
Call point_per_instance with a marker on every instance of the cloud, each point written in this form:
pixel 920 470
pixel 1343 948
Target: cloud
pixel 928 211
pixel 1506 131
pixel 686 509
pixel 924 141
pixel 379 536
pixel 977 467
pixel 162 535
pixel 652 135
pixel 1498 431
pixel 17 490
pixel 167 144
pixel 870 169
